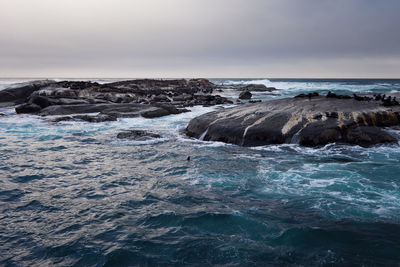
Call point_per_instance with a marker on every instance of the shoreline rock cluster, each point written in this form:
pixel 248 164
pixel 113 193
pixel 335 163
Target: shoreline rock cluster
pixel 307 119
pixel 149 98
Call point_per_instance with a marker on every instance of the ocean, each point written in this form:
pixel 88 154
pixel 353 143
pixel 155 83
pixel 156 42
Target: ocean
pixel 72 194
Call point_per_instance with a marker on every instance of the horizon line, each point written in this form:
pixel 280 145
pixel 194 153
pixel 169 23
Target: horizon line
pixel 210 78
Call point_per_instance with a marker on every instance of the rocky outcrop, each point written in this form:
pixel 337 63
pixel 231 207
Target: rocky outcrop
pixel 309 120
pixel 137 135
pixel 147 97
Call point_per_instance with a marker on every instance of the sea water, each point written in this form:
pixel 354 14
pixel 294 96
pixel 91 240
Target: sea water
pixel 72 194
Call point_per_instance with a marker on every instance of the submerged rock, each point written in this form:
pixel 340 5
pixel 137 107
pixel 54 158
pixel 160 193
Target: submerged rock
pixel 247 87
pixel 309 120
pixel 162 110
pixel 28 108
pixel 88 118
pixel 245 95
pixel 257 88
pixel 138 135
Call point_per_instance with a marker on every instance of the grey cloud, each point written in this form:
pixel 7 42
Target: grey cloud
pixel 211 38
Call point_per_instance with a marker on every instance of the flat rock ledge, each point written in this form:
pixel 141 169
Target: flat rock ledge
pixel 309 121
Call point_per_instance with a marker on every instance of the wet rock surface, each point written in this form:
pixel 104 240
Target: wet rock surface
pixel 310 120
pixel 137 135
pixel 87 118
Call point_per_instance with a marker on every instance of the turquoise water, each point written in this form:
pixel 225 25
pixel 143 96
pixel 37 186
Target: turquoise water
pixel 72 194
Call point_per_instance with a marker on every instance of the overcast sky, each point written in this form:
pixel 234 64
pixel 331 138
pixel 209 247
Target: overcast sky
pixel 199 38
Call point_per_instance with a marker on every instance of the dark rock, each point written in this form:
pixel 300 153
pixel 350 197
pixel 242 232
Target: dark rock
pixel 96 118
pixel 313 121
pixel 332 114
pixel 309 95
pixel 138 135
pixel 247 87
pixel 161 110
pixel 333 95
pixel 41 101
pixel 318 134
pixel 88 118
pixel 21 91
pixel 161 98
pixel 201 85
pixel 362 98
pixel 209 100
pixel 92 108
pixel 28 108
pixel 245 95
pixel 367 136
pixel 183 97
pixel 77 85
pixel 389 101
pixel 257 88
pixel 155 113
pixel 71 101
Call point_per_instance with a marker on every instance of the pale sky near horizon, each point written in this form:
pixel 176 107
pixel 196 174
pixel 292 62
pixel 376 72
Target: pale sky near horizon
pixel 200 38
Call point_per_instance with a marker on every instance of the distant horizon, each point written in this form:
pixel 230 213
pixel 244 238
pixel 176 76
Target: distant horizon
pixel 213 78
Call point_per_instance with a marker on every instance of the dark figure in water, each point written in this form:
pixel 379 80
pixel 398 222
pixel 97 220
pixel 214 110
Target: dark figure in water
pixel 330 94
pixel 309 95
pixel 389 101
pixel 362 98
pixel 188 158
pixel 333 95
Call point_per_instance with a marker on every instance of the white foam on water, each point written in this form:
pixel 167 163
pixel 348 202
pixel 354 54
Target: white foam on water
pixel 212 144
pixel 128 142
pixel 22 119
pixel 203 135
pixel 289 88
pixel 332 184
pixel 168 123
